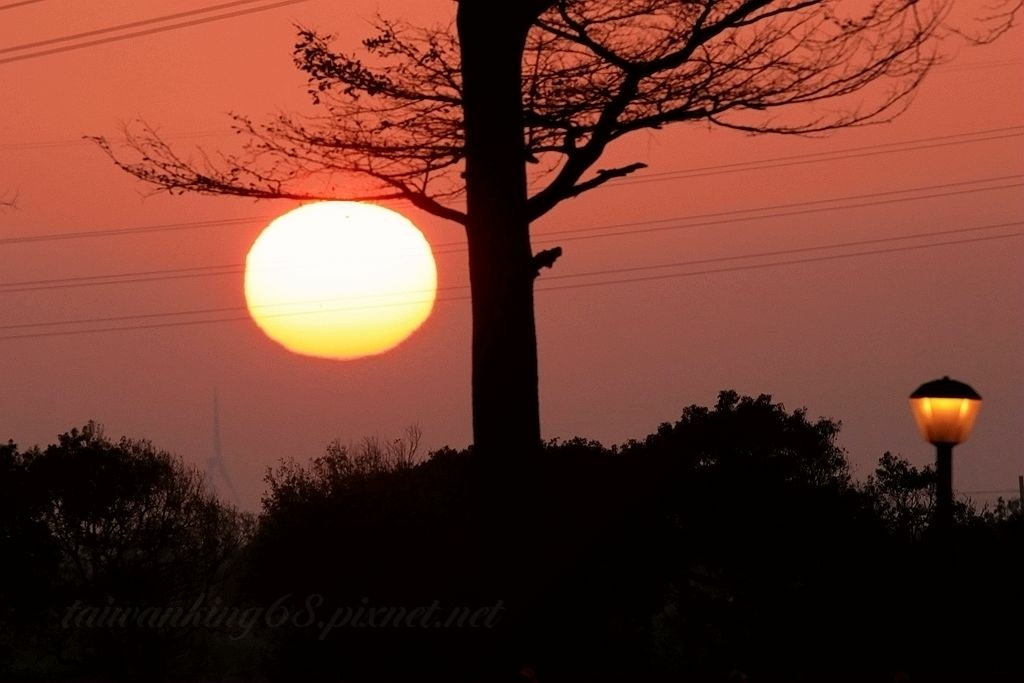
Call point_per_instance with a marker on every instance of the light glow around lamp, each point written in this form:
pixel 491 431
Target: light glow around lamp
pixel 945 410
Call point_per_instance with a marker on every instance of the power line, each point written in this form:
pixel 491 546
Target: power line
pixel 819 157
pixel 802 250
pixel 122 278
pixel 759 266
pixel 456 247
pixel 614 271
pixel 50 144
pixel 810 206
pixel 144 32
pixel 459 287
pixel 814 206
pixel 21 3
pixel 969 66
pixel 118 232
pixel 161 227
pixel 645 278
pixel 791 160
pixel 121 27
pixel 1015 131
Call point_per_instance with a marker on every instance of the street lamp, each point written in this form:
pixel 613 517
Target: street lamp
pixel 945 411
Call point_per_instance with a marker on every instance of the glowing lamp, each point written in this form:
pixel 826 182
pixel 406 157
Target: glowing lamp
pixel 945 410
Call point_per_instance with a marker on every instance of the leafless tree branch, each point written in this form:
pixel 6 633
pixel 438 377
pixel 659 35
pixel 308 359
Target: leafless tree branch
pixel 390 124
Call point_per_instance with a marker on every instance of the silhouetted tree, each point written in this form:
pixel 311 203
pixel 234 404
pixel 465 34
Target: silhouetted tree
pixel 729 545
pixel 446 115
pixel 767 529
pixel 91 525
pixel 29 567
pixel 902 494
pixel 732 539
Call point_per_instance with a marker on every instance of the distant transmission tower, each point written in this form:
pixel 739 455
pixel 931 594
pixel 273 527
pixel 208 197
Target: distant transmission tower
pixel 215 469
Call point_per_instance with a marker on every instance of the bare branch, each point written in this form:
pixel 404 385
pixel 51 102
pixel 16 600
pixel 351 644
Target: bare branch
pixel 541 203
pixel 389 125
pixel 999 17
pixel 386 133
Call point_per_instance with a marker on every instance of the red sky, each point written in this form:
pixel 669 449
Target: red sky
pixel 847 337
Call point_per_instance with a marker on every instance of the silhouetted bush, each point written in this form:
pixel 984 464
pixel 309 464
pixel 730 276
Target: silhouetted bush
pixel 103 542
pixel 729 545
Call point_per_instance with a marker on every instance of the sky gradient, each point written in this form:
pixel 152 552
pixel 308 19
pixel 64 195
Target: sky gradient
pixel 712 269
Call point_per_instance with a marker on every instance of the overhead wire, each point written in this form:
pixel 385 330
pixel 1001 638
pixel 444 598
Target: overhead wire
pixel 600 283
pixel 83 141
pixel 613 271
pixel 589 232
pixel 833 155
pixel 802 250
pixel 120 27
pixel 20 3
pixel 758 266
pixel 114 232
pixel 140 33
pixel 692 221
pixel 808 206
pixel 883 148
pixel 119 232
pixel 573 234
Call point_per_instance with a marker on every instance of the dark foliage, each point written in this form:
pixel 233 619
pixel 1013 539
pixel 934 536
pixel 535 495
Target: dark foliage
pixel 729 545
pixel 91 525
pixel 731 542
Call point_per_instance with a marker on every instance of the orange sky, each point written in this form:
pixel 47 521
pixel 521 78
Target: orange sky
pixel 849 338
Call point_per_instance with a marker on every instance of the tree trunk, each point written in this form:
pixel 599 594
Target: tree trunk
pixel 506 406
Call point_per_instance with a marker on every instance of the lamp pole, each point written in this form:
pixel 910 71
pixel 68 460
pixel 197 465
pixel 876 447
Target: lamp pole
pixel 943 488
pixel 944 410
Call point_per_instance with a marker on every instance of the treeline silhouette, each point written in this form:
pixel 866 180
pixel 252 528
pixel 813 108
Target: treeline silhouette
pixel 732 545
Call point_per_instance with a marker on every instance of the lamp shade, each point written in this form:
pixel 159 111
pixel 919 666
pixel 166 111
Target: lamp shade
pixel 945 410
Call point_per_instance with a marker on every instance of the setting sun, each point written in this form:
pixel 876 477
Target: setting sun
pixel 340 280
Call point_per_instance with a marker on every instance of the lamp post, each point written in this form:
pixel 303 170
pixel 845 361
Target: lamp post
pixel 945 411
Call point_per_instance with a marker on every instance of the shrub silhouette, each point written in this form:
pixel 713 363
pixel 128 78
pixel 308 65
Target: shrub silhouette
pixel 730 544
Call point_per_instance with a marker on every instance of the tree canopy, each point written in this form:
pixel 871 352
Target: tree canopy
pixel 593 71
pixel 90 523
pixel 730 543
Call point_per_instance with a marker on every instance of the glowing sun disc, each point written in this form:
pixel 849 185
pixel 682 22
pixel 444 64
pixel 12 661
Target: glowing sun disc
pixel 340 280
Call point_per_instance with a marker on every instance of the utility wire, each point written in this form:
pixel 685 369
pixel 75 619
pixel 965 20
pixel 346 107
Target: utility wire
pixel 138 34
pixel 547 238
pixel 46 144
pixel 547 278
pixel 21 3
pixel 122 278
pixel 600 283
pixel 612 271
pixel 813 203
pixel 83 141
pixel 803 250
pixel 759 266
pixel 118 232
pixel 818 157
pixel 162 227
pixel 969 66
pixel 454 247
pixel 120 27
pixel 236 268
